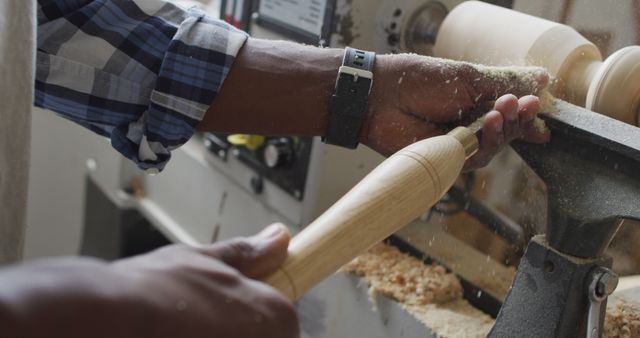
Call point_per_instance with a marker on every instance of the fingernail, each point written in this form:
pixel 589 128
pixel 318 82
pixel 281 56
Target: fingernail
pixel 274 230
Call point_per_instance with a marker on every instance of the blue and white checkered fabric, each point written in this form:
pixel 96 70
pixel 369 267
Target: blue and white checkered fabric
pixel 142 72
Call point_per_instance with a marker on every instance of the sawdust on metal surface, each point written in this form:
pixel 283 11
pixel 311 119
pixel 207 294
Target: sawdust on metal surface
pixel 434 296
pixel 404 278
pixel 456 318
pixel 428 292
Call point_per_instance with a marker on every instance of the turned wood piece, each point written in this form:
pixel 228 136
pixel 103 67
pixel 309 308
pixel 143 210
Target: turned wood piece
pixel 482 33
pixel 396 192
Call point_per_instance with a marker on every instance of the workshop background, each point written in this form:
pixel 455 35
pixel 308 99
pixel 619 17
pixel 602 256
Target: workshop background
pixel 84 198
pixel 60 150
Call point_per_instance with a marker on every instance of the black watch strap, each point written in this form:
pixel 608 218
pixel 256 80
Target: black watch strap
pixel 348 105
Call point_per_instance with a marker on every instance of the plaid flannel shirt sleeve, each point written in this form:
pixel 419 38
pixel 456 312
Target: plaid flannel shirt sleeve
pixel 141 72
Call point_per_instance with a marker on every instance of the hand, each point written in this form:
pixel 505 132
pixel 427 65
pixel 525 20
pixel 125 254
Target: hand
pixel 416 97
pixel 177 291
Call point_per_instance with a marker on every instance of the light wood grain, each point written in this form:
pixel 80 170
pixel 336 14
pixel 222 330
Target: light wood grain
pixel 392 195
pixel 475 31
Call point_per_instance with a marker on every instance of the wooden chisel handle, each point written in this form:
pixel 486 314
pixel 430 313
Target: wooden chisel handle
pixel 396 192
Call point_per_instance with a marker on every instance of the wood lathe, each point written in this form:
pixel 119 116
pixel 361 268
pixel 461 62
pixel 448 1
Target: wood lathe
pixel 483 33
pixel 571 255
pixel 588 172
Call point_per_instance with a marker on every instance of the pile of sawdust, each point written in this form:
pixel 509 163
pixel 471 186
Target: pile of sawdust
pixel 404 278
pixel 622 320
pixel 453 319
pixel 434 297
pixel 428 292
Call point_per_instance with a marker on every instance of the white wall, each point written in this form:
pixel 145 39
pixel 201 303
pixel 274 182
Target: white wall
pixel 59 152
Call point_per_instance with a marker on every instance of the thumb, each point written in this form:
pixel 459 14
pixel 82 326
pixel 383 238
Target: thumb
pixel 489 83
pixel 257 256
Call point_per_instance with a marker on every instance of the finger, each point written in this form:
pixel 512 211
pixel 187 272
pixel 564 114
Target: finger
pixel 508 106
pixel 255 257
pixel 532 128
pixel 528 108
pixel 536 133
pixel 489 83
pixel 491 141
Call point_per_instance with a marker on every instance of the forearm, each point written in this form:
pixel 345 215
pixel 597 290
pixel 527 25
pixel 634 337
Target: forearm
pixel 276 87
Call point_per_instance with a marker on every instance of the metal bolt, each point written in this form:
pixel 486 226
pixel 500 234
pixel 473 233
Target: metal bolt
pixel 607 283
pixel 602 283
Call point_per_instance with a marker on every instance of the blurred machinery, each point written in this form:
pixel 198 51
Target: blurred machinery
pixel 220 186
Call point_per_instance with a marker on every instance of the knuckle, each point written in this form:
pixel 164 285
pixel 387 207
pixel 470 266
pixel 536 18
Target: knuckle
pixel 238 248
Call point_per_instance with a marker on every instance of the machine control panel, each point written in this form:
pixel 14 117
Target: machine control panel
pixel 305 15
pixel 306 21
pixel 279 153
pixel 284 161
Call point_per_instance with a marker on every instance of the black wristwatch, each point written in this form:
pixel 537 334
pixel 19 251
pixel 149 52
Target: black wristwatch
pixel 348 105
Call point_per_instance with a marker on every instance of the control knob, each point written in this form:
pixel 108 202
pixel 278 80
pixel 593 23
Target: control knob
pixel 278 153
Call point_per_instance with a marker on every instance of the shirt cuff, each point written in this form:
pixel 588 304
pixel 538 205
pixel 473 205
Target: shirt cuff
pixel 195 65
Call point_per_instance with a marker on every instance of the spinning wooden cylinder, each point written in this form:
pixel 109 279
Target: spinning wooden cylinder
pixel 482 33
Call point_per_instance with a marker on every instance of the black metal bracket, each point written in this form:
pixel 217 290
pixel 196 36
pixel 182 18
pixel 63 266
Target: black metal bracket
pixel 548 297
pixel 591 168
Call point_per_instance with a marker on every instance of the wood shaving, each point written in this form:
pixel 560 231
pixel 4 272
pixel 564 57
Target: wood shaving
pixel 547 102
pixel 434 297
pixel 428 292
pixel 404 278
pixel 540 126
pixel 456 318
pixel 548 106
pixel 622 320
